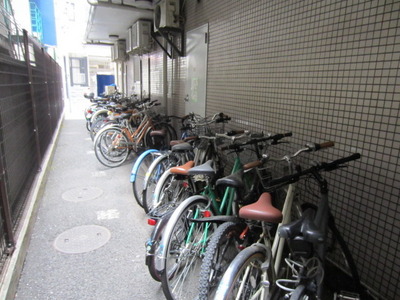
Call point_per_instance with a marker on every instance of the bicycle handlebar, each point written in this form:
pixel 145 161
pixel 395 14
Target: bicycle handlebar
pixel 275 138
pixel 234 135
pixel 326 166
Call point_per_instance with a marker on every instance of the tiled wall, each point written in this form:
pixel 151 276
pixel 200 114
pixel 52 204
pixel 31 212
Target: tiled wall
pixel 325 70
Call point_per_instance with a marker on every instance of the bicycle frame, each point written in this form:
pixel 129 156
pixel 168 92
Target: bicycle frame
pixel 273 260
pixel 274 252
pixel 137 136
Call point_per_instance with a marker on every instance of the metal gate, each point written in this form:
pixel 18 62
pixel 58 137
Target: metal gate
pixel 30 107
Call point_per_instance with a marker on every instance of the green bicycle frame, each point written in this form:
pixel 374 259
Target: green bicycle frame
pixel 223 207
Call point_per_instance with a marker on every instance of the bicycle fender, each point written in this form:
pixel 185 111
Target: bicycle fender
pixel 162 249
pixel 159 186
pixel 98 112
pixel 155 235
pixel 233 268
pixel 138 162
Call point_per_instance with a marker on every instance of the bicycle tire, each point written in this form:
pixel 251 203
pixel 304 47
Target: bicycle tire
pixel 99 124
pixel 108 154
pixel 88 124
pixel 247 262
pixel 139 170
pixel 220 252
pixel 104 128
pixel 183 244
pixel 155 171
pixel 96 116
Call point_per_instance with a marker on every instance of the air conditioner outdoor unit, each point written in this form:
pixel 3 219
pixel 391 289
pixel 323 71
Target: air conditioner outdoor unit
pixel 139 37
pixel 118 51
pixel 166 15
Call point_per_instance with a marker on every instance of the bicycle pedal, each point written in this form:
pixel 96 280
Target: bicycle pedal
pixel 345 295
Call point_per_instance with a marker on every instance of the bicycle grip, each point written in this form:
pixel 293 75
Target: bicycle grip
pixel 280 136
pixel 191 138
pixel 287 134
pixel 253 164
pixel 324 145
pixel 234 132
pixel 336 163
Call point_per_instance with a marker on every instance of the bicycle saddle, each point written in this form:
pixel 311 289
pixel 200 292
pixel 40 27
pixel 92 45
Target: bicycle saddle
pixel 183 169
pixel 261 210
pixel 303 227
pixel 123 116
pixel 160 132
pixel 234 180
pixel 182 147
pixel 204 169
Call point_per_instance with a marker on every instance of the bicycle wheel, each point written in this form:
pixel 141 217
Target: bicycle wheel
pixel 139 170
pixel 220 252
pixel 98 124
pixel 242 279
pixel 111 147
pixel 154 173
pixel 184 243
pixel 173 190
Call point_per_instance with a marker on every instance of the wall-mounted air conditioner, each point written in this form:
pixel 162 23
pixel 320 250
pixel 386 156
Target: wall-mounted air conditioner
pixel 139 37
pixel 166 15
pixel 118 51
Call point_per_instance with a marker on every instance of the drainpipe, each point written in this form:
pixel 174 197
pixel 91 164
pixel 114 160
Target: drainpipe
pixel 165 80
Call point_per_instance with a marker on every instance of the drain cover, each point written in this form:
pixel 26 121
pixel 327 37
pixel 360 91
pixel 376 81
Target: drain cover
pixel 82 194
pixel 82 239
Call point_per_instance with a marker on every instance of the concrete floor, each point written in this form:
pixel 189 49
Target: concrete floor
pixel 86 205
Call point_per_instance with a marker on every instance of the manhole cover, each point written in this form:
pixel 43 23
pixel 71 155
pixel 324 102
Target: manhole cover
pixel 82 194
pixel 82 239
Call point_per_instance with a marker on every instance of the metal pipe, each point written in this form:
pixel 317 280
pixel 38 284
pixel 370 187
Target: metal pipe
pixel 121 5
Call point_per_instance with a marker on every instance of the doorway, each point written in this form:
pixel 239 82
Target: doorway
pixel 196 85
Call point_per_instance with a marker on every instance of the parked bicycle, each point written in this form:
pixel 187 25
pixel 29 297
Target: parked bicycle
pixel 113 144
pixel 184 240
pixel 251 274
pixel 229 237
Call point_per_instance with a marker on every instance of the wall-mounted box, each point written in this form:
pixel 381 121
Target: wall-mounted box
pixel 166 15
pixel 118 51
pixel 139 37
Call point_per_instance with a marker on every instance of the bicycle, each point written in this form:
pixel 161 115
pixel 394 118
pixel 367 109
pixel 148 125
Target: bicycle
pixel 187 233
pixel 228 237
pixel 252 275
pixel 196 149
pixel 180 186
pixel 113 144
pixel 97 110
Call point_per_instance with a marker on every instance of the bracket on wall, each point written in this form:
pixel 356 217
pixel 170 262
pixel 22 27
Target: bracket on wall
pixel 168 36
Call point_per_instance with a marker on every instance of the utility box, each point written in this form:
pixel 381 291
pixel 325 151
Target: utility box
pixel 139 38
pixel 118 51
pixel 167 15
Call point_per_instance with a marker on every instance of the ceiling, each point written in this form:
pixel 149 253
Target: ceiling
pixel 113 18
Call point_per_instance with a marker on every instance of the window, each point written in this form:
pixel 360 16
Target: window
pixel 79 73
